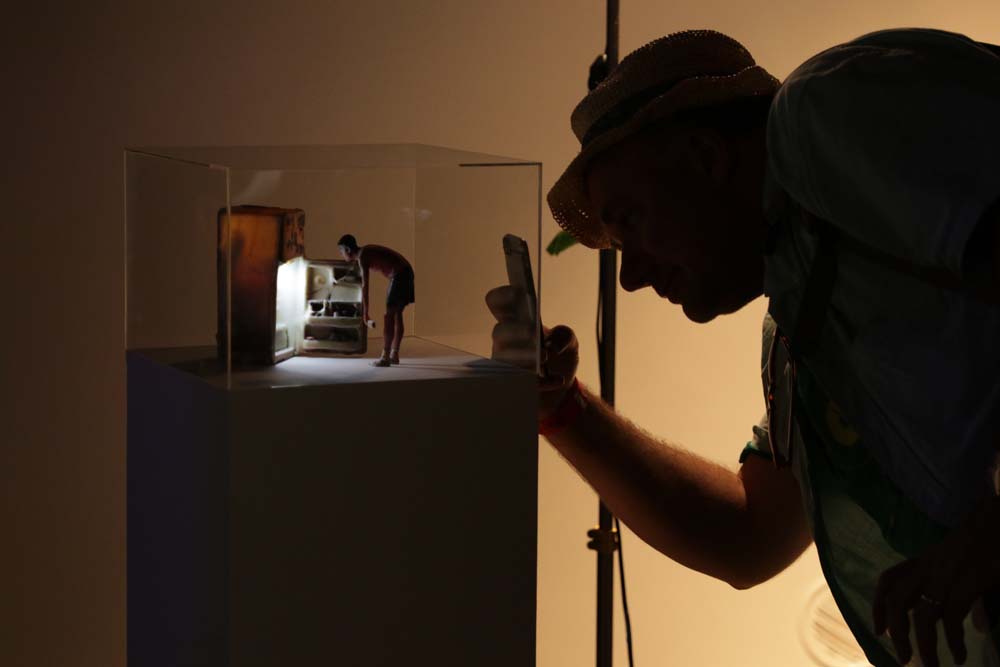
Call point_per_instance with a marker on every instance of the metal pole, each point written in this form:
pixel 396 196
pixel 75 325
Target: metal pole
pixel 606 546
pixel 604 539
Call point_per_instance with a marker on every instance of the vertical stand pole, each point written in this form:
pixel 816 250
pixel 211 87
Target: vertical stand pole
pixel 604 539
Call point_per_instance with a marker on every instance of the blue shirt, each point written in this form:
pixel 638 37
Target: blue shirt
pixel 862 525
pixel 894 139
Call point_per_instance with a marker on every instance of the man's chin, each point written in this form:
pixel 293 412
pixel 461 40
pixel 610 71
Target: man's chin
pixel 693 310
pixel 697 314
pixel 706 310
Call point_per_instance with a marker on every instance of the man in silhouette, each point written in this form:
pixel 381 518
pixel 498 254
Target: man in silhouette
pixel 862 197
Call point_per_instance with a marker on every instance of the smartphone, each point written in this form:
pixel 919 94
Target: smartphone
pixel 519 275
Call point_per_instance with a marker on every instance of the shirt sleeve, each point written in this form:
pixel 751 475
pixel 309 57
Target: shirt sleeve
pixel 894 138
pixel 758 445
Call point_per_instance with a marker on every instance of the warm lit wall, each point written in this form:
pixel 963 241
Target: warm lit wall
pixel 82 81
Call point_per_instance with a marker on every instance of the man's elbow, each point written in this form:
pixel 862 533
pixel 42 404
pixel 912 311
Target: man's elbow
pixel 742 585
pixel 763 564
pixel 740 575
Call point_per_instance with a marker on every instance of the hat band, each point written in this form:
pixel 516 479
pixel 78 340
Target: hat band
pixel 619 114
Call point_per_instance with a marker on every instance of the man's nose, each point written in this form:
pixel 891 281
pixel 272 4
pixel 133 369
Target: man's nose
pixel 634 274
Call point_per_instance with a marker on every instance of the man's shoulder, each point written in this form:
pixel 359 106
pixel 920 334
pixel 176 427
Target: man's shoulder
pixel 893 51
pixel 889 138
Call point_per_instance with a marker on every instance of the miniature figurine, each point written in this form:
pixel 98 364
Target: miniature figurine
pixel 400 294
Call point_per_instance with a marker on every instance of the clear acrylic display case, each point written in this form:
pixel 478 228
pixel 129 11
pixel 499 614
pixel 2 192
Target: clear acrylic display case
pixel 230 249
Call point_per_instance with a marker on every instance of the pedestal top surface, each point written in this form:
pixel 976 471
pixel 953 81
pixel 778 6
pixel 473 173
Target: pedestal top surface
pixel 421 359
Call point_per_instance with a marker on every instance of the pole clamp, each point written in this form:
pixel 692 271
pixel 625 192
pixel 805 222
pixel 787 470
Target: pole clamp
pixel 603 541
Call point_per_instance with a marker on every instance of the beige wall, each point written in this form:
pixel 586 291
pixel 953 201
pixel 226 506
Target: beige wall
pixel 83 80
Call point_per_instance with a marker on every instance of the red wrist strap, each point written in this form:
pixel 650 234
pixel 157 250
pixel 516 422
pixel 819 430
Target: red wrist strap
pixel 569 409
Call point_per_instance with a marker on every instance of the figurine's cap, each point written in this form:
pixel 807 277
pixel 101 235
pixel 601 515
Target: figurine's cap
pixel 684 70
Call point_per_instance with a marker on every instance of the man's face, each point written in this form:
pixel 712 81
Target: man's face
pixel 684 208
pixel 346 253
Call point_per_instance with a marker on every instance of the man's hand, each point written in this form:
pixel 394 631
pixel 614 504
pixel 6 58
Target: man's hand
pixel 514 340
pixel 560 358
pixel 942 584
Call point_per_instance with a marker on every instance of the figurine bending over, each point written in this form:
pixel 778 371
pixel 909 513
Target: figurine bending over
pixel 400 294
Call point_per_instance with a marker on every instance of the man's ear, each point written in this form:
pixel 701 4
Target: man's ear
pixel 709 154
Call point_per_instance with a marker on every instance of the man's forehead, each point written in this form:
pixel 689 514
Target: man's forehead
pixel 611 171
pixel 611 160
pixel 601 180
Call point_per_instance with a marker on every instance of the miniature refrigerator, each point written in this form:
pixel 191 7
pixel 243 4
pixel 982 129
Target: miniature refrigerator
pixel 289 501
pixel 264 295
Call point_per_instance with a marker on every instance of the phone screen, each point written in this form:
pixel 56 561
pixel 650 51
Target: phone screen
pixel 518 259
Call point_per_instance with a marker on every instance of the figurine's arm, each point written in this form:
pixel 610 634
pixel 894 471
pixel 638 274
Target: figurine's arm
pixel 364 291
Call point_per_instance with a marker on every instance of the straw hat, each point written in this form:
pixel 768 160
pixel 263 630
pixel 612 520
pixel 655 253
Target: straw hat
pixel 685 70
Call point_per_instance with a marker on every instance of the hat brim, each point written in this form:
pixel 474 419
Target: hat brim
pixel 568 198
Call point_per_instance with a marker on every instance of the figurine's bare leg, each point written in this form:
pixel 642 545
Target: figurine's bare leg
pixel 397 338
pixel 388 322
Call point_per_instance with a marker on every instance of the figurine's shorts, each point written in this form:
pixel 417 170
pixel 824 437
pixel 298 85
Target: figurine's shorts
pixel 401 290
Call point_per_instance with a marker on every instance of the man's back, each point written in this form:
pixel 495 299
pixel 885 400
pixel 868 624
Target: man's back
pixel 893 139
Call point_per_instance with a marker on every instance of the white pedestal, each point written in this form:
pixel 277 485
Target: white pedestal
pixel 361 517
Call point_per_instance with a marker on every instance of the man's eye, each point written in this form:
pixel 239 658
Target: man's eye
pixel 629 221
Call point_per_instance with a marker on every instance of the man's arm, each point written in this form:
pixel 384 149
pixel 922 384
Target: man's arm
pixel 742 528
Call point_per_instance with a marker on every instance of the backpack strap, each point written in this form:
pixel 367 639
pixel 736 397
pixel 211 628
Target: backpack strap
pixel 805 333
pixel 807 330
